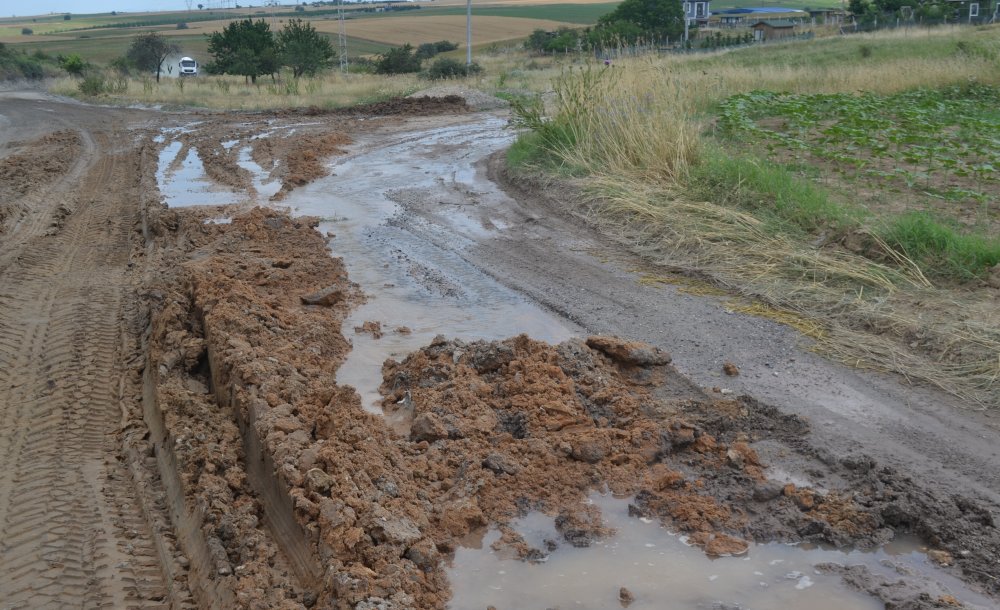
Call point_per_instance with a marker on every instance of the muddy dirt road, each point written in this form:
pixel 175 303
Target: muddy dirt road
pixel 71 531
pixel 194 410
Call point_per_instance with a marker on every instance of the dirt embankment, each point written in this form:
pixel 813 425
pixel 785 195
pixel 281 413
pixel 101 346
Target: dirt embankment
pixel 303 498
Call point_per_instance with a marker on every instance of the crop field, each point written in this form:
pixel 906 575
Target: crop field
pixel 398 30
pixel 929 153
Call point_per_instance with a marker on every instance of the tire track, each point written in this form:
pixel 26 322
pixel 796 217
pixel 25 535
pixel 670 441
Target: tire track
pixel 71 531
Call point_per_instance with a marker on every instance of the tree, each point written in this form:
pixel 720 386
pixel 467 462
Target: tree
pixel 303 49
pixel 655 19
pixel 148 52
pixel 244 47
pixel 73 64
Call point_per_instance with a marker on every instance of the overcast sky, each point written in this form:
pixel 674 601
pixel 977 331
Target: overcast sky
pixel 42 7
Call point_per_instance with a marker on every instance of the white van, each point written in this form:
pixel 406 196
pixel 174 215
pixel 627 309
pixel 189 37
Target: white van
pixel 189 67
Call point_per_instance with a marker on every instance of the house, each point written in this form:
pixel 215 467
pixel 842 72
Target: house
pixel 696 13
pixel 976 11
pixel 775 29
pixel 827 16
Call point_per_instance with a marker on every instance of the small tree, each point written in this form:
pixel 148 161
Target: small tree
pixel 655 19
pixel 399 60
pixel 303 49
pixel 66 17
pixel 148 52
pixel 27 31
pixel 244 47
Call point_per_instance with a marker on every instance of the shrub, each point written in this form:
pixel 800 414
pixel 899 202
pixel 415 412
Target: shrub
pixel 73 64
pixel 182 26
pixel 27 31
pixel 66 17
pixel 427 50
pixel 400 60
pixel 92 85
pixel 450 68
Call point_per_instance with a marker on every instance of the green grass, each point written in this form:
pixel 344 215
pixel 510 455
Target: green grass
pixel 786 201
pixel 941 247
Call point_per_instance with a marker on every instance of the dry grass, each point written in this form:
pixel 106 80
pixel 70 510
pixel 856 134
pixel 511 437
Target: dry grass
pixel 331 90
pixel 417 30
pixel 636 133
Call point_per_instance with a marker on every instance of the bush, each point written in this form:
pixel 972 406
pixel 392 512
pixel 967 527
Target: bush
pixel 427 50
pixel 92 85
pixel 400 60
pixel 27 31
pixel 73 64
pixel 182 26
pixel 66 17
pixel 449 68
pixel 443 46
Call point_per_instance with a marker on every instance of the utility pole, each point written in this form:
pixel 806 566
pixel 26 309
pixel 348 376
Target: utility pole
pixel 468 32
pixel 343 38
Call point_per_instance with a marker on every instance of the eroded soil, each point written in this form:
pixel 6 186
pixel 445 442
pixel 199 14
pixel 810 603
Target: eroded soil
pixel 237 473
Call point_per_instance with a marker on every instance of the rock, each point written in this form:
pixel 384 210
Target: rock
pixel 625 597
pixel 500 464
pixel 587 451
pixel 392 529
pixel 942 558
pixel 724 545
pixel 326 297
pixel 767 491
pixel 318 481
pixel 488 357
pixel 629 353
pixel 730 369
pixel 735 459
pixel 427 427
pixel 424 554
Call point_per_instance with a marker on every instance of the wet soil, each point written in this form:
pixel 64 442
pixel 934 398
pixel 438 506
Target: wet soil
pixel 243 475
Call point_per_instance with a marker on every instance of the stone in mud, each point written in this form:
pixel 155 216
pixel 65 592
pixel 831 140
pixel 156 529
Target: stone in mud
pixel 730 369
pixel 424 554
pixel 326 297
pixel 318 481
pixel 427 427
pixel 488 357
pixel 587 451
pixel 625 597
pixel 723 545
pixel 500 464
pixel 389 528
pixel 629 353
pixel 767 491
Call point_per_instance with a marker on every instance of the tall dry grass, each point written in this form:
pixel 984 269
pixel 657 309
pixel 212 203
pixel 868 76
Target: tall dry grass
pixel 331 90
pixel 636 133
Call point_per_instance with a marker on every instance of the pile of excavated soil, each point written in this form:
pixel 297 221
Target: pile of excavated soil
pixel 474 98
pixel 244 350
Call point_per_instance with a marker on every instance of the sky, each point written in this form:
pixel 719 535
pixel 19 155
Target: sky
pixel 42 7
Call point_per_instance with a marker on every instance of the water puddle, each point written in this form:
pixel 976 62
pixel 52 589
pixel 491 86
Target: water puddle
pixel 184 183
pixel 416 289
pixel 660 571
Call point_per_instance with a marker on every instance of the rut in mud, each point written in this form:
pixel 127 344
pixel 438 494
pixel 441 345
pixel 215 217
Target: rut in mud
pixel 71 530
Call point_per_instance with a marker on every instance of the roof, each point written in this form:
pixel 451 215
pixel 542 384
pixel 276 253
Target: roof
pixel 774 23
pixel 758 9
